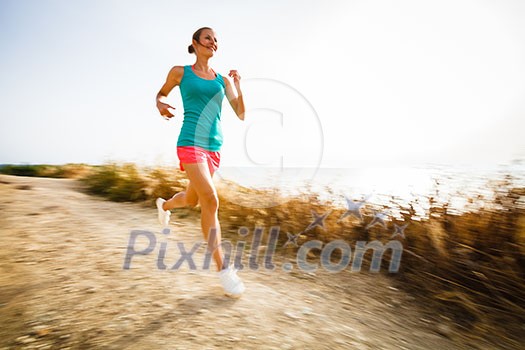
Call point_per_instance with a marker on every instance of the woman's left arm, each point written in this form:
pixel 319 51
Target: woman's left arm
pixel 236 101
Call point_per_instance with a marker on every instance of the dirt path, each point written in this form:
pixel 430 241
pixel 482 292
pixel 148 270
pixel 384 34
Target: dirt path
pixel 62 285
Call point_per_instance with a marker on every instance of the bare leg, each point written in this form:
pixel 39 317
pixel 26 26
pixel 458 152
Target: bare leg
pixel 182 199
pixel 202 189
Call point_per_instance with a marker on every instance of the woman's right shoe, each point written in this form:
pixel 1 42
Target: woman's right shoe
pixel 232 284
pixel 164 215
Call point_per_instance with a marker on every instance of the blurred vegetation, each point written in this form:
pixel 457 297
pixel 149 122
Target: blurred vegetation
pixel 128 183
pixel 469 263
pixel 117 183
pixel 72 170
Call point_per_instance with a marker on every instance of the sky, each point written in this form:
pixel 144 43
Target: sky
pixel 326 83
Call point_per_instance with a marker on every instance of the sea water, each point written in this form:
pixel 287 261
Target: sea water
pixel 457 186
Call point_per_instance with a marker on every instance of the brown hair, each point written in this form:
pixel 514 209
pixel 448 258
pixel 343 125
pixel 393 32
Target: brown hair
pixel 196 37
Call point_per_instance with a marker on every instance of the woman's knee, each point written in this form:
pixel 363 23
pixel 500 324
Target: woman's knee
pixel 209 201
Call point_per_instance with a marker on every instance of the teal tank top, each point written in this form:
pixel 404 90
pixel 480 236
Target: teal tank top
pixel 202 101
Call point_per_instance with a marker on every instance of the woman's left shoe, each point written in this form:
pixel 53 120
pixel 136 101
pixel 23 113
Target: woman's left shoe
pixel 164 215
pixel 232 284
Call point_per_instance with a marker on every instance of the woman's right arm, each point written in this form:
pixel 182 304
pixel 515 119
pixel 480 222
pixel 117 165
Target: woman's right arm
pixel 173 79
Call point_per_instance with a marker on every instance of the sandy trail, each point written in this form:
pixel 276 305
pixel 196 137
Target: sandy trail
pixel 62 285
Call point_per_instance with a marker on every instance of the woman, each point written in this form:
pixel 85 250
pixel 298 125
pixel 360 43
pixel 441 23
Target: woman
pixel 200 140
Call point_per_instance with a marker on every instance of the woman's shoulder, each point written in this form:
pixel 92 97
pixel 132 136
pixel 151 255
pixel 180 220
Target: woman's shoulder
pixel 176 73
pixel 177 70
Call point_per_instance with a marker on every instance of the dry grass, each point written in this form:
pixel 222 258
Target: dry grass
pixel 472 264
pixel 72 171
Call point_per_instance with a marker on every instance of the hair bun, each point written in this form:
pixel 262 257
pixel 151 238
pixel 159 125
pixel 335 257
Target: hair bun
pixel 191 49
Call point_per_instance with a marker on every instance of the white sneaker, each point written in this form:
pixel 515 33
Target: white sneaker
pixel 164 215
pixel 231 283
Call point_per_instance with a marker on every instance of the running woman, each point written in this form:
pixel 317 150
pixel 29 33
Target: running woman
pixel 200 141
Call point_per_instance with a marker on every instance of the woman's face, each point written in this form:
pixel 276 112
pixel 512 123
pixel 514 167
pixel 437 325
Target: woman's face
pixel 207 44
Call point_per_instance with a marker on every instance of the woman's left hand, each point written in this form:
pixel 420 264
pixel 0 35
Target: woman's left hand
pixel 236 102
pixel 235 76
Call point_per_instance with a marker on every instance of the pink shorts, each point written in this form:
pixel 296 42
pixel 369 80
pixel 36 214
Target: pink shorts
pixel 192 154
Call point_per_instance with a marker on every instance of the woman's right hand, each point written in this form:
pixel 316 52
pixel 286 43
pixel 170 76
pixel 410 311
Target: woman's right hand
pixel 164 110
pixel 173 79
